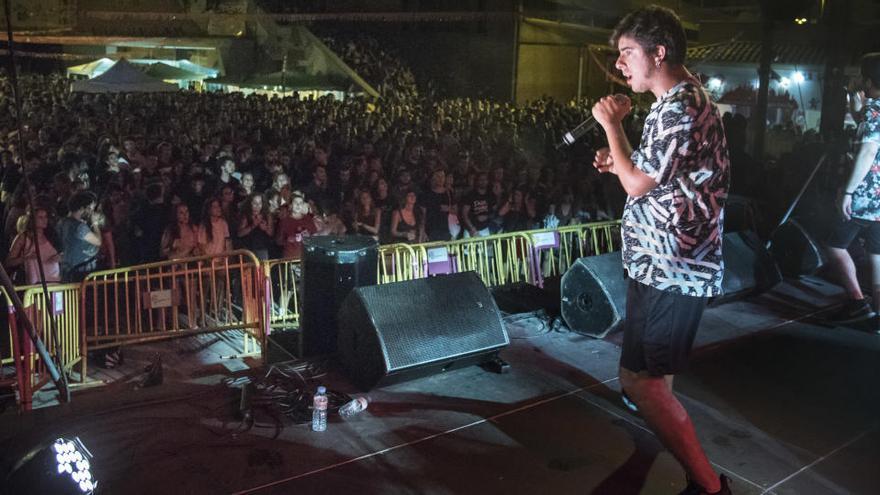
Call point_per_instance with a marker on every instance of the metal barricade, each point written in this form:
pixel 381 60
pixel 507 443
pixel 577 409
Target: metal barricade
pixel 498 259
pixel 63 305
pixel 282 292
pixel 557 249
pixel 398 263
pixel 161 300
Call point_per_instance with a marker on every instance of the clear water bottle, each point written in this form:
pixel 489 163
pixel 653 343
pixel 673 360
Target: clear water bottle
pixel 319 410
pixel 354 407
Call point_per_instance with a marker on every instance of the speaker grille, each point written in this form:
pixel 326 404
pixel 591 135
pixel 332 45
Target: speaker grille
pixel 434 319
pixel 594 295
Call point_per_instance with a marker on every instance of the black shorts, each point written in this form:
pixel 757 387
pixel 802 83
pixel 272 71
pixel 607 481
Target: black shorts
pixel 659 329
pixel 847 230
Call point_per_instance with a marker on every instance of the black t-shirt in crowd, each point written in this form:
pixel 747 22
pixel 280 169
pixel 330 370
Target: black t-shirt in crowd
pixel 437 206
pixel 481 205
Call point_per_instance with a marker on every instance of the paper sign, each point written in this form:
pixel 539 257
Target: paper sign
pixel 544 239
pixel 160 299
pixel 438 255
pixel 57 303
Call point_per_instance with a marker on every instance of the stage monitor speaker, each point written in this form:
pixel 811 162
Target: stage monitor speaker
pixel 794 250
pixel 748 267
pixel 332 267
pixel 395 332
pixel 594 295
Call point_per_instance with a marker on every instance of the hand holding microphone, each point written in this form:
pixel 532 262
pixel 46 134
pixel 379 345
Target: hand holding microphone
pixel 615 106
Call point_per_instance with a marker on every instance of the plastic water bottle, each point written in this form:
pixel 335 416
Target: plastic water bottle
pixel 354 407
pixel 319 410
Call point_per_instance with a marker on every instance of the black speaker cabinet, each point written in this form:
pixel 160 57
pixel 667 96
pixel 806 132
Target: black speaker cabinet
pixel 748 267
pixel 332 267
pixel 395 332
pixel 794 250
pixel 594 295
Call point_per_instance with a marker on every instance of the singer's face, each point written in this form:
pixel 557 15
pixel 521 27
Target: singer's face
pixel 636 65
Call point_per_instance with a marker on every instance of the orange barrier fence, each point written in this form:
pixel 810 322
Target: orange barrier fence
pixel 167 299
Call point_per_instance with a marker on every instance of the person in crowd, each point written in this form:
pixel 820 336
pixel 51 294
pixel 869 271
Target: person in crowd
pixel 149 222
pixel 255 228
pixel 860 206
pixel 181 236
pixel 296 223
pixel 367 218
pixel 673 262
pixel 247 184
pixel 80 236
pixel 477 208
pixel 406 220
pixel 516 213
pixel 437 207
pixel 213 231
pixel 23 252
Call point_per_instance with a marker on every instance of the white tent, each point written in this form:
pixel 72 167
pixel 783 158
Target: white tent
pixel 123 78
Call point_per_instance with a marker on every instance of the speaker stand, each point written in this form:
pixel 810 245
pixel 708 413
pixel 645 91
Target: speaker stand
pixel 496 365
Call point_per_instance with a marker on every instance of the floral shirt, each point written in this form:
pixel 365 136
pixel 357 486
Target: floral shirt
pixel 672 234
pixel 866 197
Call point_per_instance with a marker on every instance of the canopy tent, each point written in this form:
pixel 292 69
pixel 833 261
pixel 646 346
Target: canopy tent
pixel 123 77
pixel 166 72
pixel 287 81
pixel 91 69
pixel 192 71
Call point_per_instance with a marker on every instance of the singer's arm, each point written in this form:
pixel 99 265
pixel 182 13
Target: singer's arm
pixel 634 181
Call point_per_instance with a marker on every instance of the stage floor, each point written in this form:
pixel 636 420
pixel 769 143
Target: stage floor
pixel 783 404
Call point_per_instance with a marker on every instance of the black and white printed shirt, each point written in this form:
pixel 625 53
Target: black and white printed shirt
pixel 672 234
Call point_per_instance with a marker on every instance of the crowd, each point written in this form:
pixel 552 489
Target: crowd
pixel 134 178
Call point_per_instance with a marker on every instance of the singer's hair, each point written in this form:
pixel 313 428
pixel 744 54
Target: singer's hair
pixel 651 27
pixel 871 68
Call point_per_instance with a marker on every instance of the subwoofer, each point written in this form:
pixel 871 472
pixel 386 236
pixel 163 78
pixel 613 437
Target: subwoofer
pixel 332 267
pixel 594 295
pixel 395 332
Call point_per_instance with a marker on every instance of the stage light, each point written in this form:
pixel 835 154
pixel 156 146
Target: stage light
pixel 797 77
pixel 715 83
pixel 784 83
pixel 60 467
pixel 800 21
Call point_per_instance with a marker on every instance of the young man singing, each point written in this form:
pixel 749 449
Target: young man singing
pixel 676 181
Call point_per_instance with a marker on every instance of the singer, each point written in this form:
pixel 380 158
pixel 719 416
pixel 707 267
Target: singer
pixel 676 181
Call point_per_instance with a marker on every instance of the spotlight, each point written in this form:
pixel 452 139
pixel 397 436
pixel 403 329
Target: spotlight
pixel 797 77
pixel 784 83
pixel 800 21
pixel 715 83
pixel 62 467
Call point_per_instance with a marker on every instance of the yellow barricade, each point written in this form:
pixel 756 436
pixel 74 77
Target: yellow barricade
pixel 172 298
pixel 557 249
pixel 63 305
pixel 498 259
pixel 283 280
pixel 398 263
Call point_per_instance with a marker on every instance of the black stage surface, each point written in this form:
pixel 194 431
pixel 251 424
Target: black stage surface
pixel 783 403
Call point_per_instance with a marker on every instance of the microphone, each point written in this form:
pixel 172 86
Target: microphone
pixel 573 135
pixel 586 126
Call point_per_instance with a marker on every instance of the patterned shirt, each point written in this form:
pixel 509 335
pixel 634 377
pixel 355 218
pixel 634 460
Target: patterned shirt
pixel 672 234
pixel 866 197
